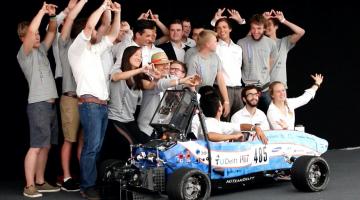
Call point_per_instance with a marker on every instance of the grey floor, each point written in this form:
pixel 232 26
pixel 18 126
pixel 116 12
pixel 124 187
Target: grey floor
pixel 344 184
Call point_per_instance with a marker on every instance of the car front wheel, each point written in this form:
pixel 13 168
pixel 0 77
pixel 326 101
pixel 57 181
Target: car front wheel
pixel 310 173
pixel 188 184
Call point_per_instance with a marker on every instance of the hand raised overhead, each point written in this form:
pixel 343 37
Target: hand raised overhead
pixel 49 9
pixel 72 4
pixel 235 15
pixel 318 78
pixel 154 17
pixel 115 7
pixel 218 15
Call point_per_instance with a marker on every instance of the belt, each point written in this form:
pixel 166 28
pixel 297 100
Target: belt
pixel 257 84
pixel 234 87
pixel 92 100
pixel 70 94
pixel 230 87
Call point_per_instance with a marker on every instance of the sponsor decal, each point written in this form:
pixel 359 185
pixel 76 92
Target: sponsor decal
pixel 240 180
pixel 231 161
pixel 256 155
pixel 276 149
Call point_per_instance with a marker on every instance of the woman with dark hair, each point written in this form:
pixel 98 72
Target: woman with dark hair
pixel 125 93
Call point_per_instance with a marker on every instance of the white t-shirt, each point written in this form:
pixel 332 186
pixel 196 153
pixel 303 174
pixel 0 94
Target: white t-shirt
pixel 231 58
pixel 213 125
pixel 244 117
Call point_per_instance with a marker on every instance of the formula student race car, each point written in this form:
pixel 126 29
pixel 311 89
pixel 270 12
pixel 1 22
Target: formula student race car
pixel 190 169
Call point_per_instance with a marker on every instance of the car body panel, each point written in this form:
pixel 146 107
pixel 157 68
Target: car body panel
pixel 235 159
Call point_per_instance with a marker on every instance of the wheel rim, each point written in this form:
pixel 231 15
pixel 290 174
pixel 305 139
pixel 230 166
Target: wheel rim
pixel 192 188
pixel 317 174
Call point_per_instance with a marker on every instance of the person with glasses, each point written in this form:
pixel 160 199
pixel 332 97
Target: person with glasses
pixel 178 69
pixel 281 112
pixel 250 114
pixel 153 90
pixel 217 130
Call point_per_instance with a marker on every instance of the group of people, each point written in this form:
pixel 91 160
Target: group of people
pixel 109 72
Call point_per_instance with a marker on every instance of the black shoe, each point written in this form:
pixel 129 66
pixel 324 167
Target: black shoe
pixel 70 185
pixel 91 193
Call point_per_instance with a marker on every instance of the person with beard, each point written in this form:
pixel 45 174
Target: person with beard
pixel 250 114
pixel 259 54
pixel 217 130
pixel 91 87
pixel 281 113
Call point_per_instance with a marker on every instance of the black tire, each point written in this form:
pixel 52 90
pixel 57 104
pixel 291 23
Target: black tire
pixel 310 173
pixel 188 184
pixel 107 170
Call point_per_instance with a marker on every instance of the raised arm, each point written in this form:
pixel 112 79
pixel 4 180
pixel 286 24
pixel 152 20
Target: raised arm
pixel 235 15
pixel 66 29
pixel 52 29
pixel 30 37
pixel 218 15
pixel 298 31
pixel 115 26
pixel 94 18
pixel 63 14
pixel 165 31
pixel 308 94
pixel 104 26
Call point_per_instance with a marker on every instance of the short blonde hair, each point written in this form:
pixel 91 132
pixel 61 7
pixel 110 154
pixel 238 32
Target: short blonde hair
pixel 204 37
pixel 22 28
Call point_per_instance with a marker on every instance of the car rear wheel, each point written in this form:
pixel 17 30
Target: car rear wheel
pixel 310 173
pixel 188 184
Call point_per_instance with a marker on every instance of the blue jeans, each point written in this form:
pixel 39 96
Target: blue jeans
pixel 94 119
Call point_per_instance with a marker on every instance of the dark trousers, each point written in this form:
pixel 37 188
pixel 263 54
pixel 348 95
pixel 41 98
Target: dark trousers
pixel 235 101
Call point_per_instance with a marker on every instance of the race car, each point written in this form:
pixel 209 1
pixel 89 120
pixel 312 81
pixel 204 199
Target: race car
pixel 185 168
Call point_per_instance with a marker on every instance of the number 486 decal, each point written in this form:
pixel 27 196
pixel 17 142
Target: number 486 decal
pixel 260 155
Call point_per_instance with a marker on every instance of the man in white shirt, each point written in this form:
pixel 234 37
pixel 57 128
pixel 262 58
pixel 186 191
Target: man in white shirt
pixel 217 130
pixel 250 114
pixel 143 37
pixel 230 55
pixel 88 71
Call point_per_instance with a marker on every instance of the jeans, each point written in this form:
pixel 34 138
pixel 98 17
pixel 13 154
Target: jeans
pixel 94 119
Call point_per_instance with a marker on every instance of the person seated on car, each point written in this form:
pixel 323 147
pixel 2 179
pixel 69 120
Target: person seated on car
pixel 281 112
pixel 212 108
pixel 250 114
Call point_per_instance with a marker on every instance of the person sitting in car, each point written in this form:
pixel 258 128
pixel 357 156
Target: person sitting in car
pixel 212 108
